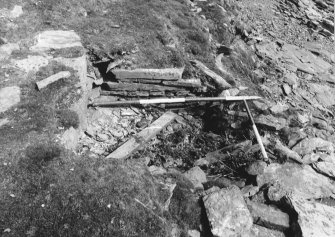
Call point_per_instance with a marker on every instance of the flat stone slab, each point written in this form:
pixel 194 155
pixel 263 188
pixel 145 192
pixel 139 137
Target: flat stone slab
pixel 323 93
pixel 56 39
pixel 271 122
pixel 227 213
pixel 326 168
pixel 314 219
pixel 142 73
pixel 9 96
pixel 301 180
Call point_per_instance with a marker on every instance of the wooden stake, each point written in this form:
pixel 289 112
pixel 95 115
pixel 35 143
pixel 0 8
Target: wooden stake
pixel 258 137
pixel 136 142
pixel 173 100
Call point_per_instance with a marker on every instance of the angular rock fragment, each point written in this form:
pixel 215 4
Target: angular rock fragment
pixel 256 168
pixel 326 168
pixel 323 93
pixel 196 176
pixel 227 213
pixel 268 216
pixel 271 122
pixel 249 190
pixel 287 153
pixel 312 149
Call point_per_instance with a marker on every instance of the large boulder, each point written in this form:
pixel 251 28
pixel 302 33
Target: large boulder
pixel 300 180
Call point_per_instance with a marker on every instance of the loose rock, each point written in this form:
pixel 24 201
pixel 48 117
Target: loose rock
pixel 9 96
pixel 196 176
pixel 271 122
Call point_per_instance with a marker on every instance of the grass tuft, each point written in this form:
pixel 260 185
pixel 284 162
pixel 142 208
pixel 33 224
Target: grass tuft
pixel 68 118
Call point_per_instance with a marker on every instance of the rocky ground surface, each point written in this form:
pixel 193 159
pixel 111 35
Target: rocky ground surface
pixel 69 167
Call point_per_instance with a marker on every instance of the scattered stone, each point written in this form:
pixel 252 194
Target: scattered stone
pixel 279 108
pixel 193 233
pixel 196 176
pixel 45 82
pixel 227 213
pixel 268 216
pixel 7 49
pixel 70 138
pixel 291 79
pixel 287 153
pixel 56 39
pixel 229 92
pixel 287 89
pixel 156 170
pixel 249 190
pixel 142 123
pixel 16 12
pixel 320 123
pixel 323 93
pixel 326 168
pixel 271 122
pixel 9 96
pixel 314 219
pixel 260 231
pixel 256 168
pixel 202 162
pixel 128 112
pixel 101 137
pixel 299 180
pixel 260 105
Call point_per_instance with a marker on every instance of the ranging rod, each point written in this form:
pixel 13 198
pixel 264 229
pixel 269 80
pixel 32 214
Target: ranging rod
pixel 172 100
